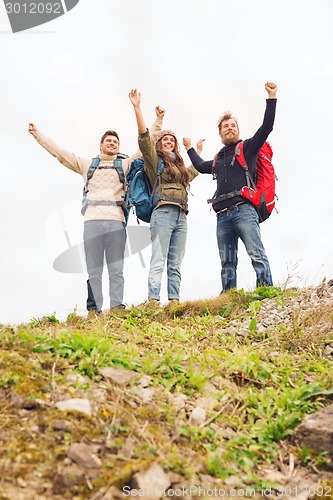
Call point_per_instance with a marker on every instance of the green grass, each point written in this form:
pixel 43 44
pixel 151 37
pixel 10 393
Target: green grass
pixel 258 398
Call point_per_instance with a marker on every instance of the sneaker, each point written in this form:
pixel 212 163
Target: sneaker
pixel 119 306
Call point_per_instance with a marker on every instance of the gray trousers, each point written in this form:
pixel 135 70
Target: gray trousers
pixel 105 238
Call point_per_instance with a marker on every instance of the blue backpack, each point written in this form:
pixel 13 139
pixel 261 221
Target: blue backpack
pixel 140 193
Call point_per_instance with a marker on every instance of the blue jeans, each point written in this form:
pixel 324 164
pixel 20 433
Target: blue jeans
pixel 105 238
pixel 168 231
pixel 241 222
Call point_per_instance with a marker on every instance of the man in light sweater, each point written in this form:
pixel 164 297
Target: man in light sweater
pixel 104 219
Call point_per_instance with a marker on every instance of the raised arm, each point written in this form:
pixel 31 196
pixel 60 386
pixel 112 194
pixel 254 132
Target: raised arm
pixel 204 167
pixel 146 142
pixel 158 123
pixel 135 98
pixel 251 149
pixel 66 158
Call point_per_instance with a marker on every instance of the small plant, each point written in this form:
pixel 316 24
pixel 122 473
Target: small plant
pixel 216 466
pixel 44 320
pixel 9 380
pixel 74 319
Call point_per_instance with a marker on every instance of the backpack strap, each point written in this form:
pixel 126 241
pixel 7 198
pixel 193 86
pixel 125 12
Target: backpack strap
pixel 223 197
pixel 159 172
pixel 239 156
pixel 117 165
pixel 214 166
pixel 122 156
pixel 160 196
pixel 104 203
pixel 91 170
pixel 179 201
pixel 160 166
pixel 226 196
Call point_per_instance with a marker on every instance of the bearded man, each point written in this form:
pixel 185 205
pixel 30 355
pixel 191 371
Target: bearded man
pixel 236 216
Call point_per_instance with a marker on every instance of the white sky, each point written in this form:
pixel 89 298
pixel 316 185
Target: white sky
pixel 196 58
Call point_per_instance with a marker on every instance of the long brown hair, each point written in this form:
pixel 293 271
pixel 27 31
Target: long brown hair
pixel 179 162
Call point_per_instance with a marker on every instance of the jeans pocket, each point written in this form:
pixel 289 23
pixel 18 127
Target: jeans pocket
pixel 163 209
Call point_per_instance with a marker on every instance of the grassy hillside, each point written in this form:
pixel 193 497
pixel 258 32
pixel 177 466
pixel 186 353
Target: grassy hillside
pixel 256 364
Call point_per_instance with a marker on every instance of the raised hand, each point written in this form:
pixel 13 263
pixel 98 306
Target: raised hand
pixel 200 146
pixel 160 112
pixel 271 88
pixel 187 143
pixel 32 128
pixel 135 97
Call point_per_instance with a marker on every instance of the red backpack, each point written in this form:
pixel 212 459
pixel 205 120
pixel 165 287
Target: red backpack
pixel 262 192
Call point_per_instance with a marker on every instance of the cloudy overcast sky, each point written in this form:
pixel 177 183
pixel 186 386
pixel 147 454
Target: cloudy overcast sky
pixel 72 76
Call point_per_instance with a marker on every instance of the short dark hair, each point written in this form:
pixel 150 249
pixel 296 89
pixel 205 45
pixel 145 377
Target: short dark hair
pixel 109 132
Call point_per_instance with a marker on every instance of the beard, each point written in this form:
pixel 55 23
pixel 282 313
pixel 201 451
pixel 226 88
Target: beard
pixel 230 139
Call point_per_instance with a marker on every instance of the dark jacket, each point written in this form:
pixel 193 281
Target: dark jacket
pixel 230 175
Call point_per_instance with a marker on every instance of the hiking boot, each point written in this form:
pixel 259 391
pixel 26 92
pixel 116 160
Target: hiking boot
pixel 153 304
pixel 119 307
pixel 93 314
pixel 150 304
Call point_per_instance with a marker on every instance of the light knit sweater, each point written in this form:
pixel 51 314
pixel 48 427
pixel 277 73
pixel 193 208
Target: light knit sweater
pixel 105 183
